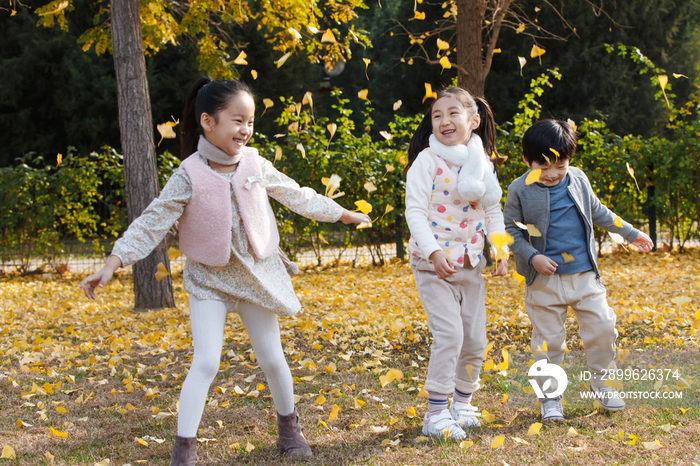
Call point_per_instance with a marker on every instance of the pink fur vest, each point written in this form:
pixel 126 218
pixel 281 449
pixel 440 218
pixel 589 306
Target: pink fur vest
pixel 205 224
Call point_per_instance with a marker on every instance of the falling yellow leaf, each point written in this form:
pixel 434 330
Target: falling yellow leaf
pixel 616 238
pixel 533 176
pixel 267 103
pixel 370 187
pixel 328 37
pixel 59 158
pixel 278 153
pixel 445 63
pixel 161 273
pixel 367 62
pixel 331 128
pixel 567 257
pixel 389 167
pixel 536 51
pixel 663 81
pixel 363 206
pixel 572 124
pixel 300 148
pixel 308 99
pixel 531 229
pixel 429 93
pixel 363 94
pixel 254 74
pixel 166 130
pixel 282 59
pixel 240 59
pixel 497 441
pixel 174 253
pixel 496 50
pixel 500 241
pixel 397 105
pixel 519 278
pixel 630 170
pixel 386 136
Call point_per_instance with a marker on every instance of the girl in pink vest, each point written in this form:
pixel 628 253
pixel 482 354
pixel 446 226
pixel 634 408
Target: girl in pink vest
pixel 229 235
pixel 452 204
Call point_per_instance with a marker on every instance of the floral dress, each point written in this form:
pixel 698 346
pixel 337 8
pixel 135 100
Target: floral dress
pixel 245 278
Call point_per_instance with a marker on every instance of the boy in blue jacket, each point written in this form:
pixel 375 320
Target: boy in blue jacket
pixel 560 266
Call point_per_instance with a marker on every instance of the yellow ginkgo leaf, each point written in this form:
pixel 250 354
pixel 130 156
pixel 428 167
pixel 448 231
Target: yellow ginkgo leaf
pixel 56 433
pixel 397 105
pixel 614 383
pixel 8 453
pixel 308 99
pixel 572 124
pixel 497 441
pixel 442 45
pixel 663 81
pixel 363 206
pixel 522 62
pixel 536 51
pixel 370 187
pixel 367 62
pixel 555 152
pixel 331 184
pixel 520 28
pixel 358 404
pixel 385 380
pixel 141 441
pixel 616 238
pixel 278 153
pixel 166 130
pixel 429 93
pixel 282 59
pixel 533 176
pixel 465 444
pixel 567 257
pixel 534 428
pixel 334 413
pixel 328 37
pixel 254 74
pixel 445 63
pixel 267 103
pixel 631 172
pixel 162 272
pixel 655 445
pixel 571 432
pixel 519 278
pixel 300 148
pixel 59 158
pixel 363 94
pixel 419 15
pixel 249 447
pixel 681 300
pixel 617 222
pixel 21 423
pixel 411 412
pixel 487 417
pixel 496 50
pixel 363 225
pixel 61 410
pixel 320 400
pixel 386 135
pixel 531 229
pixel 240 59
pixel 173 253
pixel 388 209
pixel 331 128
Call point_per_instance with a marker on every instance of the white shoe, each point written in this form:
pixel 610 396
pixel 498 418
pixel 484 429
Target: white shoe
pixel 465 414
pixel 551 410
pixel 609 398
pixel 442 426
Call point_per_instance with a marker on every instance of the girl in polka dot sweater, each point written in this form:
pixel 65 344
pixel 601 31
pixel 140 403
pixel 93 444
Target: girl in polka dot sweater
pixel 452 205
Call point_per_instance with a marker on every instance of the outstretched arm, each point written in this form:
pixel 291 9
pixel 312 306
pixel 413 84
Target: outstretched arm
pixel 100 278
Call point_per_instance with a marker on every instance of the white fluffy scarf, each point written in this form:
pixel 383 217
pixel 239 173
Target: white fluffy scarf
pixel 477 180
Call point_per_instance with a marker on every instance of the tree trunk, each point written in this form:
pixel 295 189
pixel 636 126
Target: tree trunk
pixel 136 127
pixel 470 19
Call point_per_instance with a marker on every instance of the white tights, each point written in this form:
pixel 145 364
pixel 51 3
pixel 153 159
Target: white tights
pixel 207 321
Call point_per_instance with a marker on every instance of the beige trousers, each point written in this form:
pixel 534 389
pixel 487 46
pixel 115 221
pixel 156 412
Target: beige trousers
pixel 457 320
pixel 547 301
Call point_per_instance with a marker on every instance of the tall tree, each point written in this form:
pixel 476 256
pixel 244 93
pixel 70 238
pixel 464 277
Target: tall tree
pixel 130 29
pixel 467 31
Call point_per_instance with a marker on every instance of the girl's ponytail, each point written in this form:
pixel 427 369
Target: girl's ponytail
pixel 190 130
pixel 420 139
pixel 487 130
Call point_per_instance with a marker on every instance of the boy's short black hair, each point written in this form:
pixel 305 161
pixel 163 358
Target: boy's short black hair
pixel 545 135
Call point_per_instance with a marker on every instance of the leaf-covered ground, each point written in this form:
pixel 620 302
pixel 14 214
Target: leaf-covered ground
pixel 85 383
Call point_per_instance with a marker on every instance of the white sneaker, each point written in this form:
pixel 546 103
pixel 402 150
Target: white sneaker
pixel 551 410
pixel 609 398
pixel 442 426
pixel 465 414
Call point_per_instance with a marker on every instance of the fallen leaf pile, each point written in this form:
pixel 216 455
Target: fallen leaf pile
pixel 73 370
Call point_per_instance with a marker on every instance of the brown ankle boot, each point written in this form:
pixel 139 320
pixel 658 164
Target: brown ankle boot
pixel 184 451
pixel 290 439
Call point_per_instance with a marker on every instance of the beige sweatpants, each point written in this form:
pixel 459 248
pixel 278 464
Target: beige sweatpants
pixel 457 320
pixel 546 303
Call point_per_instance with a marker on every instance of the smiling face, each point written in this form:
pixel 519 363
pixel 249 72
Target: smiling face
pixel 551 174
pixel 452 122
pixel 231 128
